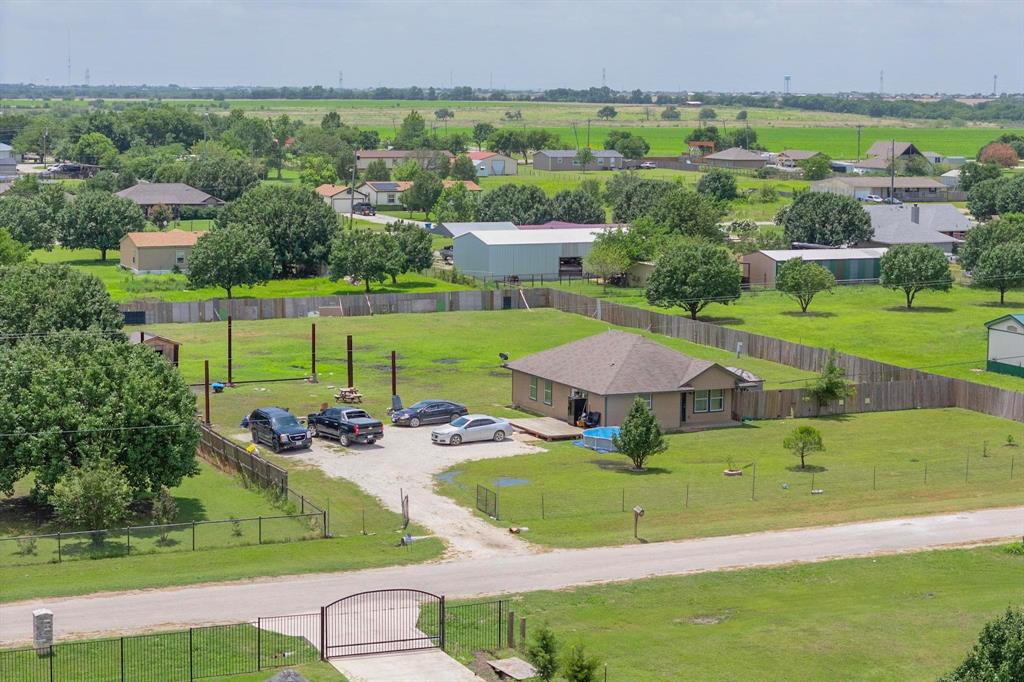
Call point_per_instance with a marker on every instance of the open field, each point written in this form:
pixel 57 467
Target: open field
pixel 126 286
pixel 943 333
pixel 907 617
pixel 875 465
pixel 440 355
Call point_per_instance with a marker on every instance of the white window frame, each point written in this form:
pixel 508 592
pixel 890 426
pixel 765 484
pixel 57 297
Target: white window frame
pixel 648 399
pixel 548 392
pixel 533 389
pixel 716 396
pixel 699 398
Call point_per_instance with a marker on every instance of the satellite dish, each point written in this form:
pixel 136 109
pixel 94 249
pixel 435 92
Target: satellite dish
pixel 503 356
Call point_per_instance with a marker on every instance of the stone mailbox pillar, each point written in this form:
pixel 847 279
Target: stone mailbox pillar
pixel 42 631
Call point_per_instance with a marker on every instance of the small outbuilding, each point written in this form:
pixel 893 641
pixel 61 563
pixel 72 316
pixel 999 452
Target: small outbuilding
pixel 606 372
pixel 1006 345
pixel 849 266
pixel 157 253
pixel 161 345
pixel 493 163
pixel 507 254
pixel 791 158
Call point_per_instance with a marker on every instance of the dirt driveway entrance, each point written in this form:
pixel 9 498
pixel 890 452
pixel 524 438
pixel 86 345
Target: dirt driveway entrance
pixel 406 460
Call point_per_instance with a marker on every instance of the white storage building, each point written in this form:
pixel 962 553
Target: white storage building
pixel 502 254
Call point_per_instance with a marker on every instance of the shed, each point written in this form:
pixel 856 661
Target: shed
pixel 1005 353
pixel 790 158
pixel 951 178
pixel 161 345
pixel 849 266
pixel 504 254
pixel 493 163
pixel 157 253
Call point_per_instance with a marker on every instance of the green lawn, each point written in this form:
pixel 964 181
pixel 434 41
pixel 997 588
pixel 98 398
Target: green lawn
pixel 906 617
pixel 874 467
pixel 125 286
pixel 453 355
pixel 943 333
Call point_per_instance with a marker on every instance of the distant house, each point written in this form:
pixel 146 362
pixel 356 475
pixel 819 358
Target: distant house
pixel 761 268
pixel 1006 345
pixel 171 194
pixel 906 188
pixel 388 193
pixel 8 162
pixel 562 225
pixel 735 157
pixel 791 158
pixel 941 225
pixel 565 160
pixel 933 157
pixel 161 345
pixel 890 148
pixel 157 253
pixel 607 372
pixel 458 229
pixel 493 163
pixel 339 197
pixel 394 157
pixel 510 254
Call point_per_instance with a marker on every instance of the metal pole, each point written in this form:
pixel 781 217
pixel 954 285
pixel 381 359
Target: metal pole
pixel 122 659
pixel 753 483
pixel 352 197
pixel 686 504
pixel 394 375
pixel 364 520
pixel 260 529
pixel 206 390
pixel 1011 466
pixel 193 536
pixel 59 557
pixel 349 344
pixel 623 499
pixel 259 644
pixel 441 617
pixel 542 505
pixel 231 381
pixel 128 533
pixel 191 676
pixel 967 468
pixel 874 477
pixel 312 352
pixel 323 633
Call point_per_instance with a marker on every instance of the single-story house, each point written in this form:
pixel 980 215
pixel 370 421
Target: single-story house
pixel 458 229
pixel 160 344
pixel 171 194
pixel 157 253
pixel 565 160
pixel 933 157
pixel 493 163
pixel 889 148
pixel 735 157
pixel 938 224
pixel 605 373
pixel 339 197
pixel 791 158
pixel 394 157
pixel 8 161
pixel 1006 345
pixel 388 193
pixel 951 178
pixel 847 265
pixel 906 188
pixel 507 254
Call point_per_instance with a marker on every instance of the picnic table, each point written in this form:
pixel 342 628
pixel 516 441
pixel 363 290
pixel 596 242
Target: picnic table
pixel 349 394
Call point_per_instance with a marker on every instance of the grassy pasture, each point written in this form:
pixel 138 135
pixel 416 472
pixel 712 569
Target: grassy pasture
pixel 876 465
pixel 906 617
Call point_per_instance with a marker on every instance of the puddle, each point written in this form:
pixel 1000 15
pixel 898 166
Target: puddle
pixel 447 476
pixel 505 482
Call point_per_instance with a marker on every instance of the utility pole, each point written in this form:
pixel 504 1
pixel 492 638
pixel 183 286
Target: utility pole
pixel 602 77
pixel 892 170
pixel 588 133
pixel 859 128
pixel 995 86
pixel 352 196
pixel 881 82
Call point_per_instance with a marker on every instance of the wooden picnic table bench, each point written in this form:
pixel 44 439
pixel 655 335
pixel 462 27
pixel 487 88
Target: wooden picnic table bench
pixel 350 394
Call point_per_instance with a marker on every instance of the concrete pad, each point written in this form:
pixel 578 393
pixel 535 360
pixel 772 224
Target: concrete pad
pixel 412 666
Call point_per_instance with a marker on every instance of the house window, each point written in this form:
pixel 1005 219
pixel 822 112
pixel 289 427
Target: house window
pixel 179 257
pixel 717 399
pixel 1009 327
pixel 391 198
pixel 547 392
pixel 647 398
pixel 700 401
pixel 533 388
pixel 600 161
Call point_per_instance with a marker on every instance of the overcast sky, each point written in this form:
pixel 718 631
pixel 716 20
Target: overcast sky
pixel 923 46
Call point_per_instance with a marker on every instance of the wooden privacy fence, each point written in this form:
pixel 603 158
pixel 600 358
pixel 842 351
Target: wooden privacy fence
pixel 873 397
pixel 217 309
pixel 218 450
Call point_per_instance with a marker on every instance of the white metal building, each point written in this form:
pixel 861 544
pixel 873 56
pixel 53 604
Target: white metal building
pixel 501 254
pixel 1006 345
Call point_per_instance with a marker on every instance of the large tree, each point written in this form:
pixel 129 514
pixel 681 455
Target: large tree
pixel 426 188
pixel 802 280
pixel 693 273
pixel 85 396
pixel 295 220
pixel 98 220
pixel 95 149
pixel 1001 268
pixel 229 257
pixel 626 143
pixel 577 206
pixel 94 496
pixel 27 220
pixel 518 204
pixel 826 219
pixel 377 170
pixel 983 198
pixel 364 255
pixel 45 298
pixel 482 131
pixel 978 241
pixel 1000 154
pixel 507 141
pixel 608 257
pixel 11 250
pixel 584 157
pixel 415 246
pixel 632 197
pixel 687 213
pixel 225 178
pixel 718 183
pixel 998 655
pixel 818 167
pixel 412 133
pixel 1011 196
pixel 914 268
pixel 607 113
pixel 463 168
pixel 317 170
pixel 971 173
pixel 455 204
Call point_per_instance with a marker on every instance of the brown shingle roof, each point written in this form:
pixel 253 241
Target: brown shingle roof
pixel 616 363
pixel 735 154
pixel 332 190
pixel 169 238
pixel 170 193
pixel 885 148
pixel 798 154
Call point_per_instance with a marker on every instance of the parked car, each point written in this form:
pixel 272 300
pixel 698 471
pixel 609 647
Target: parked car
pixel 428 412
pixel 347 424
pixel 892 200
pixel 472 427
pixel 277 428
pixel 648 164
pixel 874 198
pixel 364 208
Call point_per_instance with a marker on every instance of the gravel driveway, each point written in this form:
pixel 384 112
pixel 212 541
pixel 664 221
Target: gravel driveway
pixel 406 460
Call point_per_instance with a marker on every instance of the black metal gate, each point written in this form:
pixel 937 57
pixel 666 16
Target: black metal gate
pixel 382 621
pixel 487 501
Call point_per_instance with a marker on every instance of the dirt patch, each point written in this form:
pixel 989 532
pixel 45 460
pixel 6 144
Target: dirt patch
pixel 447 361
pixel 499 374
pixel 702 619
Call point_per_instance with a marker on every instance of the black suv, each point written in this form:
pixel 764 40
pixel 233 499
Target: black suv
pixel 428 412
pixel 364 208
pixel 278 428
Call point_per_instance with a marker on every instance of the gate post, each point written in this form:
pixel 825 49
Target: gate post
pixel 323 633
pixel 440 612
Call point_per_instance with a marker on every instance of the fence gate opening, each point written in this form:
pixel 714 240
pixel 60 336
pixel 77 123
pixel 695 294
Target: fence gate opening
pixel 382 621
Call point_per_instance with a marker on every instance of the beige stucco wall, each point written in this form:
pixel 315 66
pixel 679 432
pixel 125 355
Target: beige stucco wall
pixel 152 259
pixel 129 255
pixel 761 269
pixel 559 407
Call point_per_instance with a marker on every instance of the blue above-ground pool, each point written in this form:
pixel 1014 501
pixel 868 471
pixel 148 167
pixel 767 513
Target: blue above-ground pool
pixel 600 438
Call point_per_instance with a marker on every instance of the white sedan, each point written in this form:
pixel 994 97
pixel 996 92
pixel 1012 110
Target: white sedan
pixel 472 427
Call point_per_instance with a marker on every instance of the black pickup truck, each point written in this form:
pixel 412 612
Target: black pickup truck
pixel 347 424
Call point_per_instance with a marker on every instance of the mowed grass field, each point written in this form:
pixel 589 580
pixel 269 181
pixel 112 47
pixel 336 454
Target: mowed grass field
pixel 906 617
pixel 876 465
pixel 944 333
pixel 440 355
